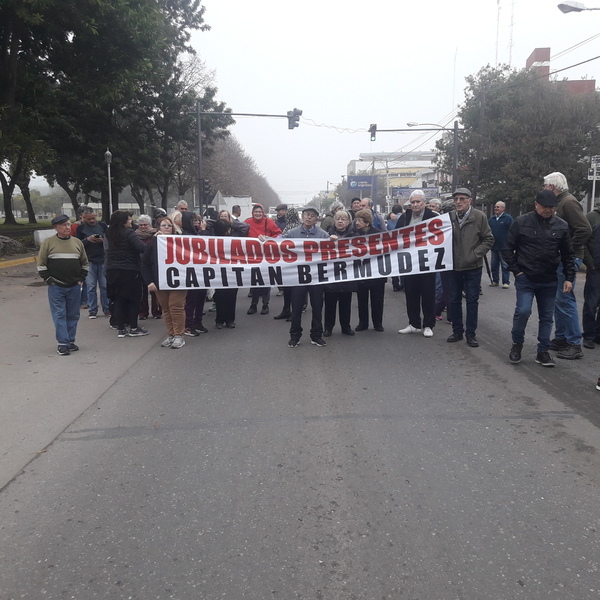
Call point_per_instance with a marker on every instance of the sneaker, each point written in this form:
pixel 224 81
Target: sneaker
pixel 439 318
pixel 230 325
pixel 505 286
pixel 168 342
pixel 558 344
pixel 293 343
pixel 494 284
pixel 265 309
pixel 138 331
pixel 318 342
pixel 280 293
pixel 201 329
pixel 427 332
pixel 213 308
pixel 589 344
pixel 571 352
pixel 515 353
pixel 327 333
pixel 347 331
pixel 544 358
pixel 219 325
pixel 73 347
pixel 93 315
pixel 252 310
pixel 598 384
pixel 410 329
pixel 191 332
pixel 122 333
pixel 178 342
pixel 142 318
pixel 63 350
pixel 84 306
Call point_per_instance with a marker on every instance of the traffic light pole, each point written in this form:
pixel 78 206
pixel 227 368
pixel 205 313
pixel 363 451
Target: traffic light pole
pixel 293 117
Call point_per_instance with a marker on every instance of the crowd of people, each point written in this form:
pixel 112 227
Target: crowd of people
pixel 542 249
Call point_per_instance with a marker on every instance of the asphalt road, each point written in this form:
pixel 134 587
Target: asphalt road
pixel 379 467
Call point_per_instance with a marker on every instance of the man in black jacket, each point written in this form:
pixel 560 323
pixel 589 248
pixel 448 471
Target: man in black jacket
pixel 536 243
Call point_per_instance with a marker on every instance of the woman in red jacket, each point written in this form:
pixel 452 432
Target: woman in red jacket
pixel 261 227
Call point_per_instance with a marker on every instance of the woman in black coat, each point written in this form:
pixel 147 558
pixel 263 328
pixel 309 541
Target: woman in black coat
pixel 373 288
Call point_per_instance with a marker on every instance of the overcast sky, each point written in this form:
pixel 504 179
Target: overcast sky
pixel 347 64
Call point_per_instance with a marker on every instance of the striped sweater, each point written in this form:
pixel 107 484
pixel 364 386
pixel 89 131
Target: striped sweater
pixel 62 262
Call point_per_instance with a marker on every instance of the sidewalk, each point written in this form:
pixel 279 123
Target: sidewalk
pixel 42 392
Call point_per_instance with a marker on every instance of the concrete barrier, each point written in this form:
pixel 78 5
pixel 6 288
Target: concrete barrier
pixel 39 235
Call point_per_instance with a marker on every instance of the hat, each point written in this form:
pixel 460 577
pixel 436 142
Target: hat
pixel 281 207
pixel 307 208
pixel 462 192
pixel 546 198
pixel 59 219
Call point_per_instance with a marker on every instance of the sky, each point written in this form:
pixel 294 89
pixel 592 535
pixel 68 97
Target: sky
pixel 347 64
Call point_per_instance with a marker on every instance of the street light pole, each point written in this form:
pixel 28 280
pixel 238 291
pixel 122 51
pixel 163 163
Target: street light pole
pixel 108 158
pixel 454 149
pixel 568 7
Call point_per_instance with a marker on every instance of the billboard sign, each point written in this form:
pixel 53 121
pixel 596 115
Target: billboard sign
pixel 357 182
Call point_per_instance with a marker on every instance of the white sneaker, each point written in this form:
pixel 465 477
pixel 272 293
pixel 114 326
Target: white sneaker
pixel 409 329
pixel 505 286
pixel 427 332
pixel 168 342
pixel 178 342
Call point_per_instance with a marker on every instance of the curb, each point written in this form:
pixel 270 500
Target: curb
pixel 16 262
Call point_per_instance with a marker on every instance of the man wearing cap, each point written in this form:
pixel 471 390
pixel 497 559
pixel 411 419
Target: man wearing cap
pixel 281 211
pixel 62 263
pixel 307 230
pixel 567 334
pixel 536 243
pixel 471 240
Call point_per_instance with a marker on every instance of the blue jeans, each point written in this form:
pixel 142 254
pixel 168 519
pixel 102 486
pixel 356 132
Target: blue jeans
pixel 497 262
pixel 96 276
pixel 545 294
pixel 470 282
pixel 64 307
pixel 565 311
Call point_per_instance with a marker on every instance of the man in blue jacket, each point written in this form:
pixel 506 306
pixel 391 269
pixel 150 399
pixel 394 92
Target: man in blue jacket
pixel 500 224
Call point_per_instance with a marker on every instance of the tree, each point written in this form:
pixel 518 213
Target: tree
pixel 519 127
pixel 234 173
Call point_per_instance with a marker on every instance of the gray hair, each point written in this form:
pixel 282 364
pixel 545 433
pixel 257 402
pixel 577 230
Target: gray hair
pixel 344 213
pixel 182 203
pixel 144 219
pixel 558 180
pixel 87 210
pixel 417 193
pixel 436 201
pixel 335 207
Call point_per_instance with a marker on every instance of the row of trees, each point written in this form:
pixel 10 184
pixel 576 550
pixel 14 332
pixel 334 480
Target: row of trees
pixel 78 76
pixel 518 127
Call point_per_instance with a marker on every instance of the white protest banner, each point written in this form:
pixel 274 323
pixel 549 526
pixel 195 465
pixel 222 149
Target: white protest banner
pixel 192 262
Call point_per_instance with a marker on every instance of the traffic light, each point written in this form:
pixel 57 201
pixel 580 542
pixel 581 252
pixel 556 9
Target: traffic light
pixel 293 118
pixel 206 189
pixel 373 131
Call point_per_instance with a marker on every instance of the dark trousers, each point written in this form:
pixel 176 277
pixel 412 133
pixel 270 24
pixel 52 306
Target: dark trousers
pixel 194 306
pixel 591 314
pixel 145 307
pixel 258 293
pixel 375 290
pixel 544 294
pixel 469 282
pixel 125 288
pixel 420 294
pixel 225 301
pixel 443 301
pixel 497 263
pixel 331 301
pixel 315 293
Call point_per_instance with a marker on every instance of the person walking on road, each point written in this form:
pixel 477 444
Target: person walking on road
pixel 567 332
pixel 537 242
pixel 500 223
pixel 63 264
pixel 471 240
